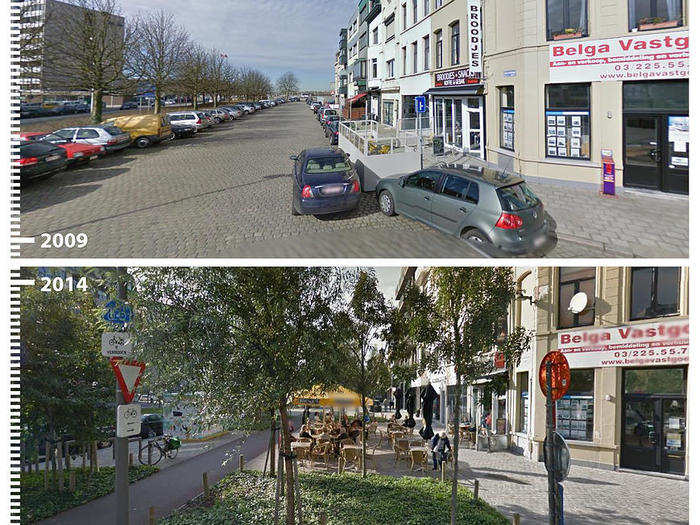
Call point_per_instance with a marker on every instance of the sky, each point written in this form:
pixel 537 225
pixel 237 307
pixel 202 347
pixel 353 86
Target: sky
pixel 274 36
pixel 388 278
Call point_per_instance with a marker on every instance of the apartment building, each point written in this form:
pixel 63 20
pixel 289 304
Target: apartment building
pixel 42 71
pixel 628 351
pixel 340 70
pixel 569 81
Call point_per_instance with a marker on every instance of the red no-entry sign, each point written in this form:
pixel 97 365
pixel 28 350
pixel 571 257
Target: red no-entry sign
pixel 561 374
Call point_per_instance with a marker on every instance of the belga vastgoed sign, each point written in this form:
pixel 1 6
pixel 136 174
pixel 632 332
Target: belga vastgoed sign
pixel 634 57
pixel 648 344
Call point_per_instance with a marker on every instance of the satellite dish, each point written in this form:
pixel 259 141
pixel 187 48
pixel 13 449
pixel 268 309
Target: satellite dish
pixel 579 303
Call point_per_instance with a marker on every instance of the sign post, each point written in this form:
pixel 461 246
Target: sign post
pixel 555 378
pixel 421 107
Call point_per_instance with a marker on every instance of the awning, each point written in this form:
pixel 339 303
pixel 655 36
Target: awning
pixel 357 97
pixel 472 89
pixel 340 397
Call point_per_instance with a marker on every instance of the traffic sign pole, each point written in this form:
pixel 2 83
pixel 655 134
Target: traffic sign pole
pixel 549 445
pixel 121 445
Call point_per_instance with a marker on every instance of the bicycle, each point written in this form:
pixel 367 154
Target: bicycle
pixel 164 446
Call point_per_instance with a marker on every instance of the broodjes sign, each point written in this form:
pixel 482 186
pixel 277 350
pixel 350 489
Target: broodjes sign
pixel 648 344
pixel 634 57
pixel 474 26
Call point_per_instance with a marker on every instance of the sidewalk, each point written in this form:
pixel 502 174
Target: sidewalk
pixel 635 223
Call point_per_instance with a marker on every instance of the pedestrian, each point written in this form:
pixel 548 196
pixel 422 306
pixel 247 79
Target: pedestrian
pixel 306 414
pixel 440 446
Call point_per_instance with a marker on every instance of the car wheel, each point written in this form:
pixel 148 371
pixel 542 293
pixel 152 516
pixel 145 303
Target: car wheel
pixel 142 142
pixel 386 203
pixel 475 237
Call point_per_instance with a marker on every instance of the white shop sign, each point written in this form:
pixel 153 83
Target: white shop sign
pixel 635 57
pixel 649 344
pixel 474 28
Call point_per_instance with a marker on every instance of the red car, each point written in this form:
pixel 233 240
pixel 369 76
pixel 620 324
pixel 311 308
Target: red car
pixel 76 152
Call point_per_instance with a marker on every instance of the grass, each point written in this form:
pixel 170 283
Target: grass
pixel 347 499
pixel 37 503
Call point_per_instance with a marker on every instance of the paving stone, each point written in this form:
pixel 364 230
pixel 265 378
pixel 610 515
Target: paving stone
pixel 227 193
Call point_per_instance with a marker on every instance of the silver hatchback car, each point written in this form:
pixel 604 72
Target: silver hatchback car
pixel 482 205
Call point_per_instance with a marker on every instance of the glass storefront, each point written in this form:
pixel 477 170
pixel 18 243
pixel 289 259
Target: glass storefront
pixel 460 121
pixel 654 419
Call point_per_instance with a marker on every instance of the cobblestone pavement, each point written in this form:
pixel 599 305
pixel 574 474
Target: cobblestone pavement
pixel 227 193
pixel 513 484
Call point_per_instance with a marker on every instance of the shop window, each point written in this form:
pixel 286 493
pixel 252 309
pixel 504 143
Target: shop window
pixel 575 410
pixel 667 381
pixel 655 292
pixel 657 95
pixel 567 120
pixel 571 282
pixel 438 50
pixel 455 44
pixel 507 98
pixel 645 15
pixel 523 385
pixel 567 19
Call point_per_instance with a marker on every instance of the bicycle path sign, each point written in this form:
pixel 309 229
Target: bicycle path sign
pixel 128 420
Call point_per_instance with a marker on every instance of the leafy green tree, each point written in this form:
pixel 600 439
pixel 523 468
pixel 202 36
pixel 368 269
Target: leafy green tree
pixel 245 339
pixel 66 385
pixel 456 321
pixel 360 326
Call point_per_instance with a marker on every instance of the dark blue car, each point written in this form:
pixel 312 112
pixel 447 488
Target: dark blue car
pixel 323 181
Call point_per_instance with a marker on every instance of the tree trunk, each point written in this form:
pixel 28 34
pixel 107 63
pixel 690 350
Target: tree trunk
pixel 288 468
pixel 195 102
pixel 156 102
pixel 96 106
pixel 455 451
pixel 273 457
pixel 364 441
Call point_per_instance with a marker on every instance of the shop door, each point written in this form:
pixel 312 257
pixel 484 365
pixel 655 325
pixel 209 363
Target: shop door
pixel 654 434
pixel 651 160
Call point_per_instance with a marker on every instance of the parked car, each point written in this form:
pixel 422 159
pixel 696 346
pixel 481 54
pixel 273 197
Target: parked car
pixel 233 112
pixel 33 111
pixel 222 115
pixel 247 107
pixel 258 106
pixel 316 106
pixel 39 160
pixel 77 106
pixel 323 181
pixel 191 118
pixel 77 153
pixel 482 205
pixel 327 120
pixel 130 104
pixel 183 130
pixel 111 137
pixel 145 130
pixel 332 132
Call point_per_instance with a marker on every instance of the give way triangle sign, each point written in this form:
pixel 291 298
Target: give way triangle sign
pixel 128 376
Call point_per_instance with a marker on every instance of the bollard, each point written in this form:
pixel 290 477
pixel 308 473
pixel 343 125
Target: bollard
pixel 71 481
pixel 476 489
pixel 205 483
pixel 516 519
pixel 240 463
pixel 151 516
pixel 324 518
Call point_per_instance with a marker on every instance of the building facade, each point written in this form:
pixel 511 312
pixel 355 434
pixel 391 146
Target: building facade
pixel 625 337
pixel 547 88
pixel 570 80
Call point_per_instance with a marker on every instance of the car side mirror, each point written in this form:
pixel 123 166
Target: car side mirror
pixel 402 182
pixel 294 157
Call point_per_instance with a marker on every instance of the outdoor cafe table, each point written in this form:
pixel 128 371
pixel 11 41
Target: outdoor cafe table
pixel 356 448
pixel 418 455
pixel 303 446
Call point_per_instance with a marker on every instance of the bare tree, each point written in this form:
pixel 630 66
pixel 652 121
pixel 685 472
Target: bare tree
pixel 159 52
pixel 193 73
pixel 253 84
pixel 87 49
pixel 217 65
pixel 288 84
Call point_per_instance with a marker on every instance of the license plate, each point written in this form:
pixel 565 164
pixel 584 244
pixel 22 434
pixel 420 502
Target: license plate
pixel 332 190
pixel 52 158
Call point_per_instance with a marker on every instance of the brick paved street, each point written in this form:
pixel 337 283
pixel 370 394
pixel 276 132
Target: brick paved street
pixel 226 193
